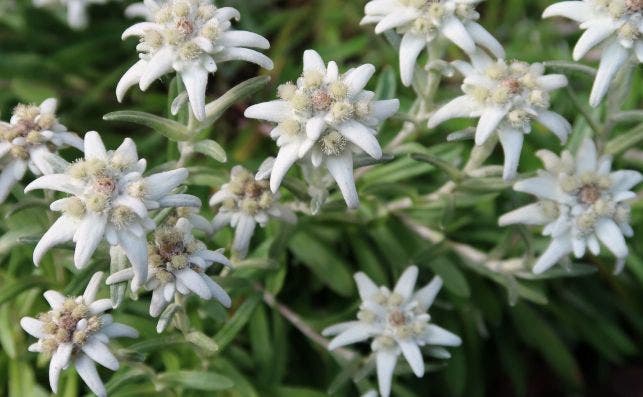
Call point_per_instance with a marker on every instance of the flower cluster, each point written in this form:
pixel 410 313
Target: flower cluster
pixel 109 199
pixel 76 330
pixel 397 323
pixel 507 97
pixel 324 118
pixel 617 25
pixel 245 202
pixel 177 264
pixel 190 37
pixel 422 23
pixel 30 137
pixel 77 17
pixel 581 203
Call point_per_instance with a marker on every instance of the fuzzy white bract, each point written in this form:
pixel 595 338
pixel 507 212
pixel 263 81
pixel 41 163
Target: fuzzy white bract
pixel 581 203
pixel 507 97
pixel 397 322
pixel 109 198
pixel 325 117
pixel 177 264
pixel 422 23
pixel 26 142
pixel 77 331
pixel 243 203
pixel 77 16
pixel 616 25
pixel 190 37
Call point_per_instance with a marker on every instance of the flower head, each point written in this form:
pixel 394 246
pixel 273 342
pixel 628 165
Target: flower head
pixel 423 22
pixel 617 25
pixel 76 330
pixel 245 202
pixel 507 97
pixel 109 198
pixel 177 265
pixel 30 137
pixel 190 37
pixel 325 117
pixel 397 323
pixel 77 17
pixel 581 203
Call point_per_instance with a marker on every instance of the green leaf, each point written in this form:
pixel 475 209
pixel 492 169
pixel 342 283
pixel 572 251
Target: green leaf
pixel 570 67
pixel 206 344
pixel 215 109
pixel 17 287
pixel 7 339
pixel 453 278
pixel 484 185
pixel 118 261
pixel 237 322
pixel 386 84
pixel 166 127
pixel 323 261
pixel 627 140
pixel 194 380
pixel 212 149
pixel 454 173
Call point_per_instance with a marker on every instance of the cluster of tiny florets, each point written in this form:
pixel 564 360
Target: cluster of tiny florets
pixel 250 195
pixel 515 84
pixel 168 253
pixel 628 11
pixel 433 13
pixel 70 323
pixel 26 129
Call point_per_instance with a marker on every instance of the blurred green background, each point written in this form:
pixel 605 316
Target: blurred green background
pixel 564 336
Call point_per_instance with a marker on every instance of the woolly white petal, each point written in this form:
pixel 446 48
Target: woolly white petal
pixel 313 61
pixel 413 356
pixel 218 293
pixel 614 56
pixel 241 38
pixel 94 147
pixel 592 36
pixel 88 235
pixel 579 11
pixel 552 82
pixel 195 79
pixel 32 326
pixel 454 30
pixel 365 286
pixel 382 110
pixel 541 186
pixel 511 141
pixel 274 111
pixel 243 233
pixel 488 123
pixel 362 137
pixel 160 184
pixel 625 180
pixel 357 78
pixel 194 282
pixel 354 334
pixel 395 19
pixel 337 329
pixel 406 282
pixel 485 39
pixel 410 48
pixel 136 250
pixel 287 156
pixel 100 353
pixel 558 248
pixel 59 360
pixel 116 330
pixel 314 127
pixel 60 182
pixel 54 298
pixel 531 214
pixel 87 371
pixel 61 231
pixel 586 157
pixel 244 54
pixel 130 78
pixel 100 306
pixel 386 361
pixel 425 296
pixel 341 169
pixel 439 336
pixel 92 288
pixel 610 235
pixel 157 66
pixel 555 123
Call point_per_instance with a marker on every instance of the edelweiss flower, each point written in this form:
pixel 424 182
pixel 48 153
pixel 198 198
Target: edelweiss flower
pixel 190 37
pixel 244 202
pixel 76 330
pixel 506 97
pixel 422 22
pixel 617 24
pixel 581 203
pixel 177 264
pixel 76 10
pixel 396 321
pixel 325 117
pixel 110 199
pixel 28 139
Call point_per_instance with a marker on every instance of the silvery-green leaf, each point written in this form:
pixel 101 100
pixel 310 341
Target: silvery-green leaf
pixel 212 149
pixel 166 127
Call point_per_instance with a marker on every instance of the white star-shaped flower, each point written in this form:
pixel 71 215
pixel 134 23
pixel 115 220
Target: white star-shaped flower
pixel 190 37
pixel 243 203
pixel 77 16
pixel 507 97
pixel 616 25
pixel 177 264
pixel 581 203
pixel 30 137
pixel 398 323
pixel 77 331
pixel 324 118
pixel 423 22
pixel 111 199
